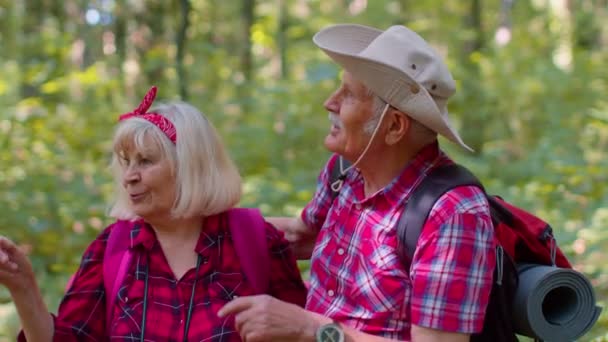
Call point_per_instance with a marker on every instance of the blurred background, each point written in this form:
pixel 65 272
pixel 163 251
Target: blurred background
pixel 532 79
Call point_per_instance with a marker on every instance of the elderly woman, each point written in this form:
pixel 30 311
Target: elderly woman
pixel 175 188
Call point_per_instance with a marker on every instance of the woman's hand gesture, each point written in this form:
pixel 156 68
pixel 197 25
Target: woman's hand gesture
pixel 16 271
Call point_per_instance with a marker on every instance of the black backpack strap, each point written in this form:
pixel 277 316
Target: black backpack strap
pixel 335 175
pixel 419 205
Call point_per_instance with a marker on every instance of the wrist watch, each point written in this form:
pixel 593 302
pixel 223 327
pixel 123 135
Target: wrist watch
pixel 330 333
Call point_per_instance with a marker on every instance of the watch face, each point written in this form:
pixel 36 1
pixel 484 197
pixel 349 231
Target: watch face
pixel 330 333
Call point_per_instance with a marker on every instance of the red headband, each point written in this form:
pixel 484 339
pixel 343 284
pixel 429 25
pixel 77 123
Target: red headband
pixel 158 120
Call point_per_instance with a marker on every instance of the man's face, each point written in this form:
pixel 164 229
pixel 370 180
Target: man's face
pixel 349 107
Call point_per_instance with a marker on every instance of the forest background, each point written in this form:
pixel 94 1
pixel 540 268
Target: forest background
pixel 532 101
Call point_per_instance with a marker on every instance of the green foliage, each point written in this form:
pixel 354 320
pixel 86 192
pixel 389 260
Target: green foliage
pixel 535 108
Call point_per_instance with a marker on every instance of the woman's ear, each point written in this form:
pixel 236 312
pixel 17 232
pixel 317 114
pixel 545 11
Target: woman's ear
pixel 398 126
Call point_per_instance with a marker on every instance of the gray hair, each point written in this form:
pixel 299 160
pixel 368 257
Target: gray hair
pixel 378 105
pixel 419 132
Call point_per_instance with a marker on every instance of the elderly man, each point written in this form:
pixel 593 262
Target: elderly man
pixel 385 118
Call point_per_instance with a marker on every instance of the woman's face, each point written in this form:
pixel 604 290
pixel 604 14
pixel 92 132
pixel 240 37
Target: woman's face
pixel 148 180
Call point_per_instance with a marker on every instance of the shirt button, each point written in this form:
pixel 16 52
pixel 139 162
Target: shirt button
pixel 340 251
pixel 126 299
pixel 331 293
pixel 181 321
pixel 358 206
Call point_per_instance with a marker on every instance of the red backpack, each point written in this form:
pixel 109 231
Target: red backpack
pixel 523 238
pixel 248 231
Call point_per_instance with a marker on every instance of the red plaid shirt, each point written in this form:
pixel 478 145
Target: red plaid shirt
pixel 357 277
pixel 82 313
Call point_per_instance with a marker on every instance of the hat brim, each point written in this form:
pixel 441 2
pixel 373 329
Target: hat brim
pixel 344 43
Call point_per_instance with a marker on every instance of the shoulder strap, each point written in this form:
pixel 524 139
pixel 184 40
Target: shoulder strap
pixel 431 188
pixel 116 260
pixel 248 230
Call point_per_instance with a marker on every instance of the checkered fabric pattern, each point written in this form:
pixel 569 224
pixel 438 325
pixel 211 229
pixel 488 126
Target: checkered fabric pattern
pixel 357 277
pixel 81 315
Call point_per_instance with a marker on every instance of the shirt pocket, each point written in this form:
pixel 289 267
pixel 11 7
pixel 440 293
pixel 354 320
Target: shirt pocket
pixel 382 285
pixel 223 287
pixel 128 309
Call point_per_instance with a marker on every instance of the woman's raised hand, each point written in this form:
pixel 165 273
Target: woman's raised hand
pixel 16 271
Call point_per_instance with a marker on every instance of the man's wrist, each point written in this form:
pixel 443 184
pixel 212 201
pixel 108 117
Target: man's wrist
pixel 316 322
pixel 331 332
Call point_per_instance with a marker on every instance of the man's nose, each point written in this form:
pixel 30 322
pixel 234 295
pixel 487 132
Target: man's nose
pixel 332 104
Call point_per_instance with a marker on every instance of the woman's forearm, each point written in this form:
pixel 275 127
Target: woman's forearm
pixel 36 321
pixel 17 275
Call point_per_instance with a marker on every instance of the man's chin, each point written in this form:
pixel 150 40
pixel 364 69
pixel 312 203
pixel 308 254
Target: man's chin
pixel 332 144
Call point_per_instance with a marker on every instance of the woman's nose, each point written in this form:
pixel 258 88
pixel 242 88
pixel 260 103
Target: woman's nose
pixel 131 175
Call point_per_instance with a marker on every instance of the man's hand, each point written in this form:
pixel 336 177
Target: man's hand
pixel 301 237
pixel 264 318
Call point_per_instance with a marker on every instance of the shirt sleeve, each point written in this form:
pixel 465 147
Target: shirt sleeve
pixel 82 312
pixel 453 264
pixel 285 280
pixel 316 210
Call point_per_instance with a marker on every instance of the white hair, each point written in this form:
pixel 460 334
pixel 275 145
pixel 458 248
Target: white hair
pixel 206 179
pixel 377 108
pixel 419 132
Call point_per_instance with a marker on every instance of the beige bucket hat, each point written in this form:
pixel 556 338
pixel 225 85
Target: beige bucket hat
pixel 398 66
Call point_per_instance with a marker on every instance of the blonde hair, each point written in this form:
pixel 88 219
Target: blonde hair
pixel 207 181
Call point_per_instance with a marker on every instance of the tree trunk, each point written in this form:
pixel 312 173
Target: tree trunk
pixel 30 50
pixel 181 39
pixel 153 18
pixel 10 32
pixel 473 24
pixel 474 116
pixel 213 81
pixel 586 28
pixel 505 13
pixel 402 17
pixel 120 32
pixel 244 89
pixel 281 37
pixel 247 15
pixel 58 11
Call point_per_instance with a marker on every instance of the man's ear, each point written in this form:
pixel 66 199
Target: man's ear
pixel 398 126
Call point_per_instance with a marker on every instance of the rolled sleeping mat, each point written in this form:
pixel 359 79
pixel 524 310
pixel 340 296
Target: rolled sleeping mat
pixel 553 304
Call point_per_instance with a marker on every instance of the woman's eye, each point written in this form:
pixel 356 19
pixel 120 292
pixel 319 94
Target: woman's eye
pixel 146 161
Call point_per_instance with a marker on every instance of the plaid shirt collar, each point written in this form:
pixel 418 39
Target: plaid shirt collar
pixel 144 235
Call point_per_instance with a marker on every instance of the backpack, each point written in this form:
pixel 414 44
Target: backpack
pixel 522 238
pixel 250 245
